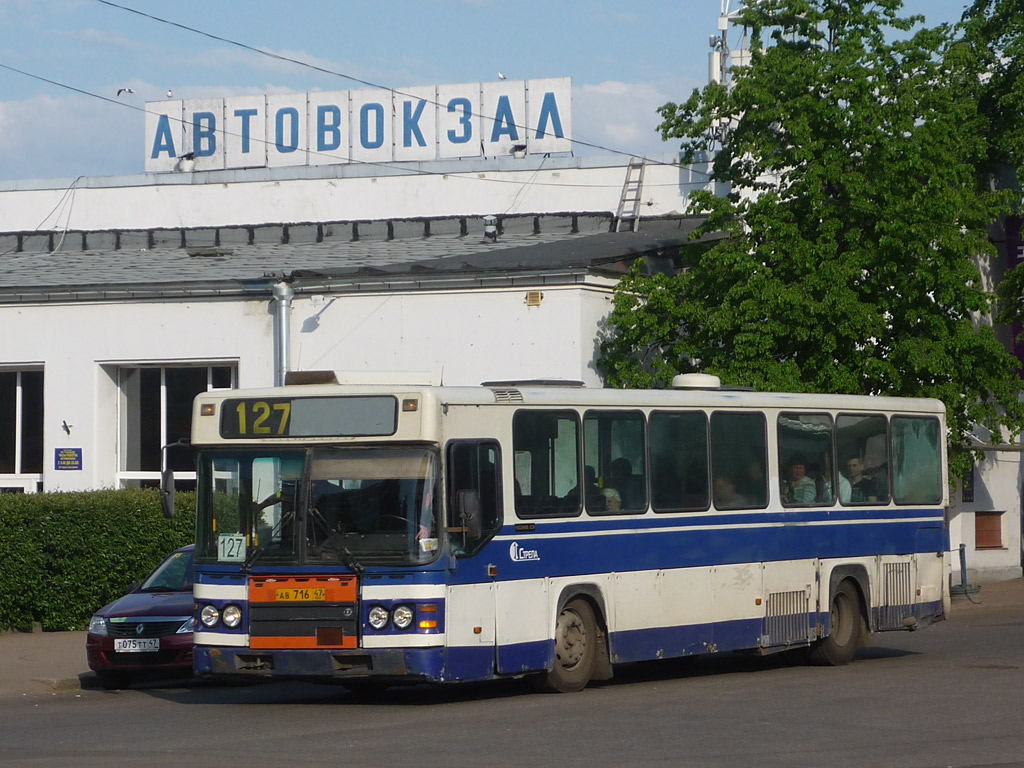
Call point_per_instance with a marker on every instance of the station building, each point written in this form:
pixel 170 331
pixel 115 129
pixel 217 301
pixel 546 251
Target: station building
pixel 121 298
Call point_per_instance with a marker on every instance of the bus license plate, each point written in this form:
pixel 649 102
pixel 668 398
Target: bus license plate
pixel 136 644
pixel 303 595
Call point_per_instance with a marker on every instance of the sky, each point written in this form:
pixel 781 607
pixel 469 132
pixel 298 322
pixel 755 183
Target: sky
pixel 625 60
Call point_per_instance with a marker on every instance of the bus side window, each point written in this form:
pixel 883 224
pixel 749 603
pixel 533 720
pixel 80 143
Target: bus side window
pixel 739 460
pixel 474 495
pixel 806 468
pixel 614 449
pixel 916 460
pixel 862 446
pixel 679 461
pixel 546 464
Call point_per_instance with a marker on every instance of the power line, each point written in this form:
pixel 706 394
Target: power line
pixel 353 78
pixel 406 169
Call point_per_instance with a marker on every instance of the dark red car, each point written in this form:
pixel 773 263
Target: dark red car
pixel 149 630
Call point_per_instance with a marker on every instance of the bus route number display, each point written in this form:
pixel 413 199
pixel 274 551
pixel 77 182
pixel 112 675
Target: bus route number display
pixel 247 418
pixel 256 418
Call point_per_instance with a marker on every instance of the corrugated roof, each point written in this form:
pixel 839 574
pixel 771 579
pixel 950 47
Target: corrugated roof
pixel 138 264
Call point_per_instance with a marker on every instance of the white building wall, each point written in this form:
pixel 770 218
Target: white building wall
pixel 80 346
pixel 466 337
pixel 997 483
pixel 422 190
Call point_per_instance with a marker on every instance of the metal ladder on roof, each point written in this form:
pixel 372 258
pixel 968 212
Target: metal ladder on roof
pixel 628 215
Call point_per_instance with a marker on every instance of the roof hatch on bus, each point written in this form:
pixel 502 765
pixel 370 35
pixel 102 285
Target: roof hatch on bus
pixel 696 381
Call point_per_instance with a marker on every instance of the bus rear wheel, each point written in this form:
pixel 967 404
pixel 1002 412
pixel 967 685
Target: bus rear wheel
pixel 576 639
pixel 844 631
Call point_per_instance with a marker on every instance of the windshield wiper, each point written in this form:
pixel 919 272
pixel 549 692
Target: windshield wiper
pixel 349 559
pixel 252 557
pixel 346 556
pixel 161 589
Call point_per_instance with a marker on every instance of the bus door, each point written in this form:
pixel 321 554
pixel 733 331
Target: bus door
pixel 474 516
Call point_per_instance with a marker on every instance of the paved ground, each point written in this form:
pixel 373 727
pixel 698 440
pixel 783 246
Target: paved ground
pixel 32 663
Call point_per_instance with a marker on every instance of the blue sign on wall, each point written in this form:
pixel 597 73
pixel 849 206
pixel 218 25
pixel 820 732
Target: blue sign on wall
pixel 67 458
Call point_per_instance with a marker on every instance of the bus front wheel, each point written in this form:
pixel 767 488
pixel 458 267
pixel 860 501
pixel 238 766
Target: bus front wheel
pixel 576 639
pixel 843 638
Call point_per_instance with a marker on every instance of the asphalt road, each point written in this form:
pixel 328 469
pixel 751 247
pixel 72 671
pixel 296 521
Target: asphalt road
pixel 946 695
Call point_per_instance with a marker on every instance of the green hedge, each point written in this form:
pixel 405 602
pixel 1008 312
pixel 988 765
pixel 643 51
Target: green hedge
pixel 63 555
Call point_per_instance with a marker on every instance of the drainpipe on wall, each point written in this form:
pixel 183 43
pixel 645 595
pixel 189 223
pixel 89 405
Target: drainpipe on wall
pixel 283 295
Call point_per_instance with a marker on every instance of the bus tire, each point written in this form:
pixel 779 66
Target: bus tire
pixel 576 639
pixel 844 631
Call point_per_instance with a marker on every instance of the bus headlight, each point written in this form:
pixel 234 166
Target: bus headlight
pixel 378 617
pixel 231 616
pixel 209 616
pixel 403 617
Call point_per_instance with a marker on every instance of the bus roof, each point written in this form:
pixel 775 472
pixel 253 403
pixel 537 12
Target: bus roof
pixel 571 394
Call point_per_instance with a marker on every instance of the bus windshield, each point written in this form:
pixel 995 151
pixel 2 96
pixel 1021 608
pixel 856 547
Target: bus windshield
pixel 348 506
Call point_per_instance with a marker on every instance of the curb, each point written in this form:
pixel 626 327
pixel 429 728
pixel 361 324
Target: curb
pixel 84 681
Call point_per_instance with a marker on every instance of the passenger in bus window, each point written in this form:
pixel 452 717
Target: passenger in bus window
pixel 826 495
pixel 591 493
pixel 754 483
pixel 622 481
pixel 862 487
pixel 799 488
pixel 726 495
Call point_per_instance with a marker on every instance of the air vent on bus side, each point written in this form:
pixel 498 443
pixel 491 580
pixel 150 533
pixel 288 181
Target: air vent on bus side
pixel 507 395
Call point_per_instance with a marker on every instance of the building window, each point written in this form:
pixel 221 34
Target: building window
pixel 156 409
pixel 21 431
pixel 988 530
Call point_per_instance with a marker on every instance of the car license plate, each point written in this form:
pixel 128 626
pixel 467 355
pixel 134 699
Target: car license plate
pixel 301 595
pixel 136 644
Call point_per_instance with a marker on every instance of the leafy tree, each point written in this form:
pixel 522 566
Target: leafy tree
pixel 853 143
pixel 994 33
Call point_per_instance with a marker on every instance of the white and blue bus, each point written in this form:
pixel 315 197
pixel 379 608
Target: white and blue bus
pixel 381 534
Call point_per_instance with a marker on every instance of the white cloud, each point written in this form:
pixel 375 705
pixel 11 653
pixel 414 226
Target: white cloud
pixel 105 38
pixel 623 116
pixel 49 137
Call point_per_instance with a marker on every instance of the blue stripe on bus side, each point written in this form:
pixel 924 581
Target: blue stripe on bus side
pixel 627 550
pixel 670 642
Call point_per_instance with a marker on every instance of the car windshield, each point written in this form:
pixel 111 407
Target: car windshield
pixel 349 506
pixel 172 575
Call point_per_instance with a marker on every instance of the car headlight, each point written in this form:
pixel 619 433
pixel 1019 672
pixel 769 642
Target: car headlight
pixel 189 625
pixel 231 616
pixel 378 617
pixel 403 617
pixel 98 626
pixel 209 616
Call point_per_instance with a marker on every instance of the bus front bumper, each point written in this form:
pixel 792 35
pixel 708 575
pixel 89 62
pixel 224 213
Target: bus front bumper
pixel 408 664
